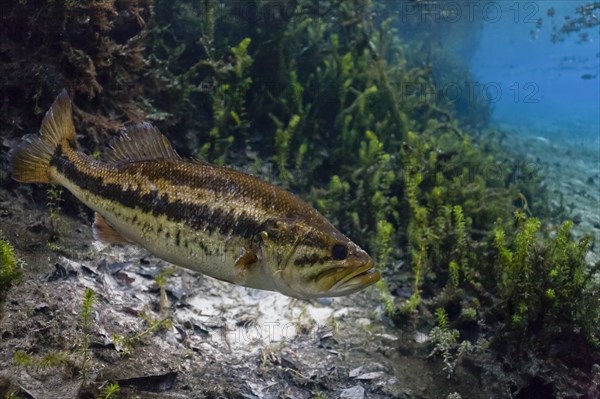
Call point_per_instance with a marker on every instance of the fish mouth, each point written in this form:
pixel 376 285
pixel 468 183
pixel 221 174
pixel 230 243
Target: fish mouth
pixel 345 283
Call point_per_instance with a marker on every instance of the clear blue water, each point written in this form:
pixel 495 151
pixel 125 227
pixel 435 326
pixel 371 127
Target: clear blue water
pixel 539 87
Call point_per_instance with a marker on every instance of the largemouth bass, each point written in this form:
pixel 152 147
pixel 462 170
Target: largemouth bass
pixel 211 219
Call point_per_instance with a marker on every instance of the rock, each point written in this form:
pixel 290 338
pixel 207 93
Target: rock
pixel 62 272
pixel 151 383
pixel 292 392
pixel 387 337
pixel 363 322
pixel 41 307
pixel 371 376
pixel 355 373
pixel 594 389
pixel 324 301
pixel 356 392
pixel 421 338
pixel 37 228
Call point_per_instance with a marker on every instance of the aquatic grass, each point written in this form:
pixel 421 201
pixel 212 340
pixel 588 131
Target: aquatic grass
pixel 10 271
pixel 283 137
pixel 418 225
pixel 22 358
pixel 385 233
pixel 109 391
pixel 85 323
pixel 161 281
pixel 228 104
pixel 49 360
pixel 128 343
pixel 54 203
pixel 546 282
pixel 445 343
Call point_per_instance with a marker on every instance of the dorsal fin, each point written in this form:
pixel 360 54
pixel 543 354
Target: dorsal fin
pixel 141 142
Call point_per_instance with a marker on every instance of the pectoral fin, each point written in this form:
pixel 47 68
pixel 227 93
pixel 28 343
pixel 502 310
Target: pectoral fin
pixel 106 233
pixel 246 259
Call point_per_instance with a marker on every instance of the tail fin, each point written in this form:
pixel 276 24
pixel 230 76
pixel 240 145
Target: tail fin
pixel 31 160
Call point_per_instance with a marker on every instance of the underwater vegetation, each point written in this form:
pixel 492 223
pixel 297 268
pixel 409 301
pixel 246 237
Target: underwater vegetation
pixel 312 95
pixel 94 48
pixel 545 282
pixel 76 362
pixel 9 268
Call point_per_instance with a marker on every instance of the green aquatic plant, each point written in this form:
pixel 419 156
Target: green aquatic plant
pixel 109 391
pixel 459 269
pixel 445 343
pixel 128 343
pixel 228 103
pixel 54 202
pixel 22 358
pixel 51 359
pixel 283 136
pixel 10 271
pixel 454 272
pixel 418 226
pixel 161 281
pixel 384 237
pixel 58 224
pixel 546 282
pixel 86 323
pixel 460 228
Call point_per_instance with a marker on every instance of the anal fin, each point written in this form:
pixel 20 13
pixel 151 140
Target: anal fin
pixel 106 233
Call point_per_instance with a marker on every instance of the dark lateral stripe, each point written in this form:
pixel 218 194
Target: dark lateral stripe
pixel 197 216
pixel 224 182
pixel 311 259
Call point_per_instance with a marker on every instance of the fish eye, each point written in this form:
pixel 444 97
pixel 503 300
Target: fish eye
pixel 339 252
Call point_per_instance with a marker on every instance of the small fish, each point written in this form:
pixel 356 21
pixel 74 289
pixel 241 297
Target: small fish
pixel 211 219
pixel 588 76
